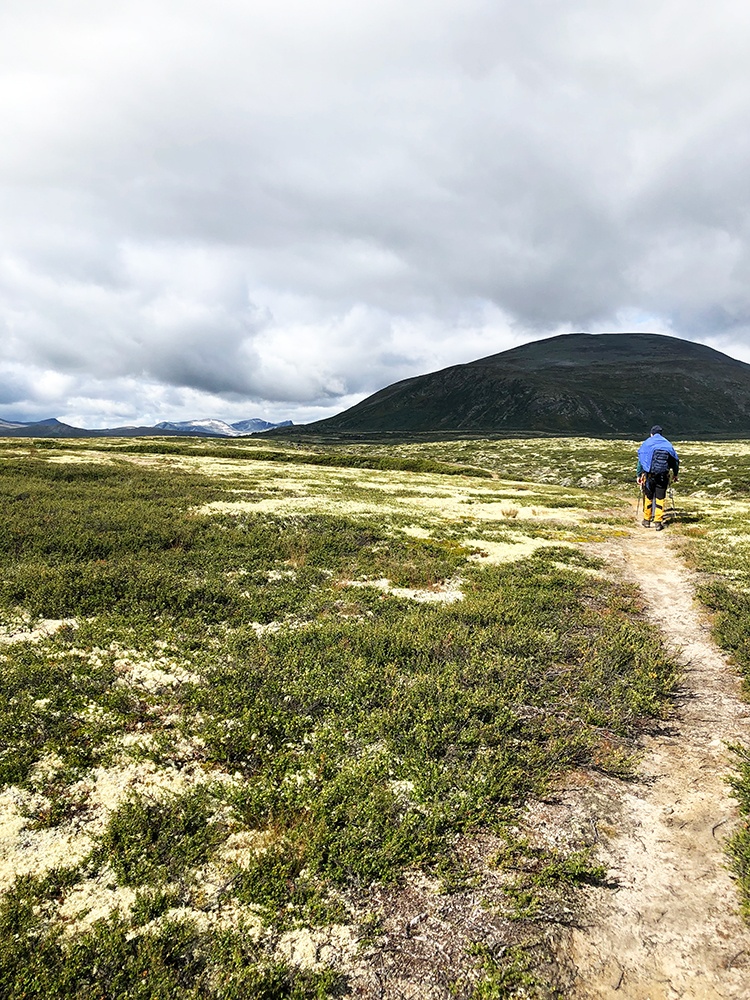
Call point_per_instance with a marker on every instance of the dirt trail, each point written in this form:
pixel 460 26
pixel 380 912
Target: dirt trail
pixel 671 929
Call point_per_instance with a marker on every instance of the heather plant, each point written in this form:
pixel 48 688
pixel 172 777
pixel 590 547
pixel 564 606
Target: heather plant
pixel 295 688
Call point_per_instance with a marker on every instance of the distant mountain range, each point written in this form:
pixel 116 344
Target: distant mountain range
pixel 587 384
pixel 196 428
pixel 219 428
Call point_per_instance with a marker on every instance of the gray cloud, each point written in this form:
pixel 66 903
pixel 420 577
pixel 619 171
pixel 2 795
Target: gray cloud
pixel 279 207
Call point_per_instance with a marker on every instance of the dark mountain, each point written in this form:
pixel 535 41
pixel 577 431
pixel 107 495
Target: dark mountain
pixel 578 383
pixel 51 427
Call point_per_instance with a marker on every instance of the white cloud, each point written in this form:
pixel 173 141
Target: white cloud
pixel 280 207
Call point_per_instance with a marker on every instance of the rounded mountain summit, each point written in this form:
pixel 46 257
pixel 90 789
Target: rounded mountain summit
pixel 577 383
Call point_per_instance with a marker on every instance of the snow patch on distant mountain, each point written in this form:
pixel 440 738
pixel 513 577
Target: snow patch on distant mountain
pixel 216 427
pixel 219 428
pixel 254 425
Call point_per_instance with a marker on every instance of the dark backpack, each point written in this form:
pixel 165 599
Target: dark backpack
pixel 659 462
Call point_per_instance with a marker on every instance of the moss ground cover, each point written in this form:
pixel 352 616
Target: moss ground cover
pixel 248 713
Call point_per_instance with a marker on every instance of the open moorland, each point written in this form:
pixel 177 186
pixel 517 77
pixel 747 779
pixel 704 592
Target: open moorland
pixel 284 720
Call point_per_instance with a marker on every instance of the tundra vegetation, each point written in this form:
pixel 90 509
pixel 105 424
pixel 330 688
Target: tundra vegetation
pixel 251 690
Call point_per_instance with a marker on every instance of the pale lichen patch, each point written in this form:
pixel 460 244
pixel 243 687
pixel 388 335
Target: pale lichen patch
pixel 416 531
pixel 274 575
pixel 319 947
pixel 289 505
pixel 154 680
pixel 152 674
pixel 106 787
pixel 594 479
pixel 29 851
pixel 94 899
pixel 25 851
pixel 80 458
pixel 15 806
pixel 42 630
pixel 226 916
pixel 241 847
pixel 47 767
pixel 494 553
pixel 263 628
pixel 446 592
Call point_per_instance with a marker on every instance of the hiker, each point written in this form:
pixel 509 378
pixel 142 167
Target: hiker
pixel 656 457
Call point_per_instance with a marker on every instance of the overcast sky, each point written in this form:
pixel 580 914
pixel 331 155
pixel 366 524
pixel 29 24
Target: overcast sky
pixel 272 208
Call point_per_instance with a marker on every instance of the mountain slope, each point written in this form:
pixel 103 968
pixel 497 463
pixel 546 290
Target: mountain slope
pixel 572 384
pixel 51 427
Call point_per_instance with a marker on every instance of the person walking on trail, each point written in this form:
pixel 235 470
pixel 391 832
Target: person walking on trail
pixel 656 458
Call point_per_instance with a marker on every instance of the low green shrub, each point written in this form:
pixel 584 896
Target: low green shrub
pixel 358 733
pixel 148 840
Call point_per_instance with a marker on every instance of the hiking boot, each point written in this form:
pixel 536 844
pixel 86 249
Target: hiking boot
pixel 646 524
pixel 659 525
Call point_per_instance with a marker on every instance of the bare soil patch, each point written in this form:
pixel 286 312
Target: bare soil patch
pixel 668 927
pixel 424 946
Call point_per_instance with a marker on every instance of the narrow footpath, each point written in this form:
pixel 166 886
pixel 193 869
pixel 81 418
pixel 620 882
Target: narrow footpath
pixel 671 928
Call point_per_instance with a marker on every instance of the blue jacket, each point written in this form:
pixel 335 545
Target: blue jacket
pixel 656 455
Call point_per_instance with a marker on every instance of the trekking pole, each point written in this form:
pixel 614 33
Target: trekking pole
pixel 641 495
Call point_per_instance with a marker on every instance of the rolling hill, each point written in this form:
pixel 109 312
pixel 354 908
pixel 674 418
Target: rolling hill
pixel 588 384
